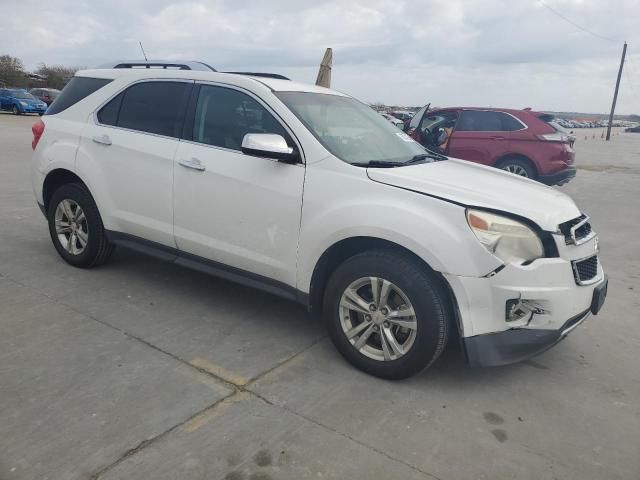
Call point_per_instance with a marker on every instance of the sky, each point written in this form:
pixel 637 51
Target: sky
pixel 497 53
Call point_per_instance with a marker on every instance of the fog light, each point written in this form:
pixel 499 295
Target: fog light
pixel 517 309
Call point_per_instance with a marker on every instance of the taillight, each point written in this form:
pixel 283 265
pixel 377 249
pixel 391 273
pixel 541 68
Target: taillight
pixel 38 130
pixel 554 137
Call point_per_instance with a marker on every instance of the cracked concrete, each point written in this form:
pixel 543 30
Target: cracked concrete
pixel 141 369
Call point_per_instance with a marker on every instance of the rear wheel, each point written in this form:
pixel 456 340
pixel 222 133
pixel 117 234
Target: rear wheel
pixel 517 166
pixel 15 110
pixel 386 314
pixel 76 227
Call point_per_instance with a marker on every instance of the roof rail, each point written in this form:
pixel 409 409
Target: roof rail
pixel 163 64
pixel 261 74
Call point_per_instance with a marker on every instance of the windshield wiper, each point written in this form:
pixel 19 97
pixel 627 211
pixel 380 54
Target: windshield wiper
pixel 378 164
pixel 423 156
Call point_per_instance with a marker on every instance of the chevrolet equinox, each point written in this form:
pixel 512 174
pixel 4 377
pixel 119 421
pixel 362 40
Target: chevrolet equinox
pixel 309 194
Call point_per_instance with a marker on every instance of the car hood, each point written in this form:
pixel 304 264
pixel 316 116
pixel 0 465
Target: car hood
pixel 476 185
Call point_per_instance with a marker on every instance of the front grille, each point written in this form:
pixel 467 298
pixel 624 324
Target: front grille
pixel 576 230
pixel 585 270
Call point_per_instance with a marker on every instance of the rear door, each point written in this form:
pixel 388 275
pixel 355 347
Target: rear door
pixel 481 136
pixel 127 152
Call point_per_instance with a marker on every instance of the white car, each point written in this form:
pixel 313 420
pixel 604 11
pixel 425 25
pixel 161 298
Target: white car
pixel 393 120
pixel 309 194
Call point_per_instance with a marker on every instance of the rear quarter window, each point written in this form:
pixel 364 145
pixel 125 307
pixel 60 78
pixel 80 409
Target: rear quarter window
pixel 77 89
pixel 509 123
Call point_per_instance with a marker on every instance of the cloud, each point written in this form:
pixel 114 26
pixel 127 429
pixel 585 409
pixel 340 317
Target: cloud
pixel 479 52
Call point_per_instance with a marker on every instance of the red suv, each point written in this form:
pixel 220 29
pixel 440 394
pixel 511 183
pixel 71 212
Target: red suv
pixel 523 142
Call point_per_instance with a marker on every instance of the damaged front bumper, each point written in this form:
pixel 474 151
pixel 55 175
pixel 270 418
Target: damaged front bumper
pixel 522 310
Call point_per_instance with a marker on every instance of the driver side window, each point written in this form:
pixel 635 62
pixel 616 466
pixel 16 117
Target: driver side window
pixel 224 116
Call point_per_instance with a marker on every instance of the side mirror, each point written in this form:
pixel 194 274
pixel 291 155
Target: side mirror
pixel 268 145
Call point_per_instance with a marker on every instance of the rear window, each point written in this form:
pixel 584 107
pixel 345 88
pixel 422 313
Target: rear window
pixel 77 89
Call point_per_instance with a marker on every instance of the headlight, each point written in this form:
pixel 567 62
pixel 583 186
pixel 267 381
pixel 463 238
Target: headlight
pixel 509 240
pixel 24 104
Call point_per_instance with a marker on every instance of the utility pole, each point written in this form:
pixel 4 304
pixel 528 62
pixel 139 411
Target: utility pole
pixel 615 94
pixel 145 55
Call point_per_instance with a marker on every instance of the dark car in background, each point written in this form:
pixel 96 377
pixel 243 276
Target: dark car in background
pixel 20 101
pixel 523 142
pixel 47 95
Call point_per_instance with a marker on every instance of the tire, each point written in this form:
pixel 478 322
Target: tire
pixel 96 249
pixel 15 110
pixel 424 292
pixel 517 166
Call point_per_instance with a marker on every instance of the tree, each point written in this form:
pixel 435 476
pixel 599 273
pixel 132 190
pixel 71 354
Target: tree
pixel 57 75
pixel 12 71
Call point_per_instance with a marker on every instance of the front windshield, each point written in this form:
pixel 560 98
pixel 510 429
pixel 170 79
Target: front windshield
pixel 22 94
pixel 351 130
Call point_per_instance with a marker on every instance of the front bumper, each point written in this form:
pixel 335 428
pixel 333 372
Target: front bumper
pixel 558 178
pixel 549 290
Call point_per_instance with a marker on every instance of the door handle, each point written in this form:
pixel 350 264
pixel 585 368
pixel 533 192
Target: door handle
pixel 496 137
pixel 102 139
pixel 194 164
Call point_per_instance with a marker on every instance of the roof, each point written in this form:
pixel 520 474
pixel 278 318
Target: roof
pixel 273 84
pixel 513 111
pixel 172 64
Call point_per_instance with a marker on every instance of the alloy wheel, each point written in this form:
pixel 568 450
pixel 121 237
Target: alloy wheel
pixel 516 169
pixel 71 227
pixel 378 318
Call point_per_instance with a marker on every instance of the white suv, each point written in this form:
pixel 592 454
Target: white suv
pixel 311 195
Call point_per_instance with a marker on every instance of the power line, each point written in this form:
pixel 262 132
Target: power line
pixel 579 27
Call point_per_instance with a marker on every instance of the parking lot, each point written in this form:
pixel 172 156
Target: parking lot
pixel 142 369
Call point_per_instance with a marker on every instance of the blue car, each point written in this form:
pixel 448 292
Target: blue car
pixel 20 101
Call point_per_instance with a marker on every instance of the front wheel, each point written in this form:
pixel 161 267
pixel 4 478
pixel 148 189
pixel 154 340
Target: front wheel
pixel 387 314
pixel 15 110
pixel 76 227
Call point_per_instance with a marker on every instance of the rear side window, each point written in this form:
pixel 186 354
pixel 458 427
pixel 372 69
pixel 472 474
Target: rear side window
pixel 77 89
pixel 487 121
pixel 152 107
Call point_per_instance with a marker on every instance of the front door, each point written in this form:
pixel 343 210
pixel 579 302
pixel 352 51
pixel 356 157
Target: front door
pixel 235 209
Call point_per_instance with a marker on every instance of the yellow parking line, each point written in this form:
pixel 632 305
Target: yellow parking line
pixel 205 417
pixel 219 371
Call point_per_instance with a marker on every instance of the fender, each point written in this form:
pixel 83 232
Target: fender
pixel 425 226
